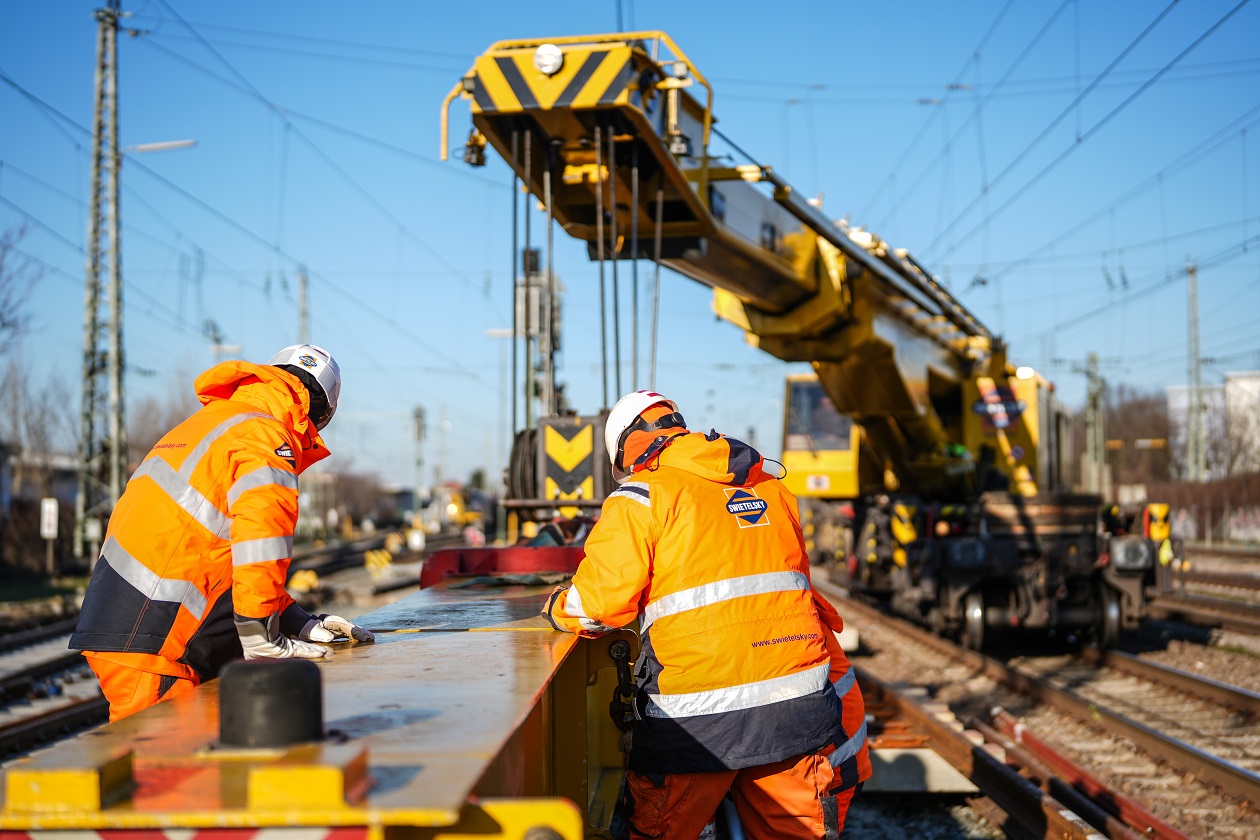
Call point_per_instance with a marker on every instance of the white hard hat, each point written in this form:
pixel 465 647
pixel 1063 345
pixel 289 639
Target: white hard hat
pixel 621 420
pixel 318 371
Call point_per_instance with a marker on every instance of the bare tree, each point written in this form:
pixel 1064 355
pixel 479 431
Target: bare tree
pixel 1133 415
pixel 18 275
pixel 39 422
pixel 360 495
pixel 153 416
pixel 1231 442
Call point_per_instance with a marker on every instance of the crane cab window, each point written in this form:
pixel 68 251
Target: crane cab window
pixel 813 423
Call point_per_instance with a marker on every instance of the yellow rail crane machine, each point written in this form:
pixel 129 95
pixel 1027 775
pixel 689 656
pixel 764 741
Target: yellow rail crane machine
pixel 973 530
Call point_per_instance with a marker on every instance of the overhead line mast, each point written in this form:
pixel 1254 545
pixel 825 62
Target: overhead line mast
pixel 103 429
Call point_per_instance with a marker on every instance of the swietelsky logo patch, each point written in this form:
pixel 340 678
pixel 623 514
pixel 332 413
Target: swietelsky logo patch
pixel 748 509
pixel 308 361
pixel 286 452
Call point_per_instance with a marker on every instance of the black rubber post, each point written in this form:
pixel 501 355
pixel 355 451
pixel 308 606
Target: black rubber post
pixel 270 703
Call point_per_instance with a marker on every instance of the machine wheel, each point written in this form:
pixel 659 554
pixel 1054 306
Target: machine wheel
pixel 973 621
pixel 1107 630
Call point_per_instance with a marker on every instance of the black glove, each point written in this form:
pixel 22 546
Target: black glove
pixel 551 604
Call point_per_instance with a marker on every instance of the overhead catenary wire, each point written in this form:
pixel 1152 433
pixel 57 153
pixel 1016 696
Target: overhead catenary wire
pixel 130 227
pixel 265 243
pixel 176 322
pixel 1093 130
pixel 1063 114
pixel 914 142
pixel 1220 257
pixel 358 59
pixel 337 168
pixel 1250 118
pixel 372 46
pixel 1138 245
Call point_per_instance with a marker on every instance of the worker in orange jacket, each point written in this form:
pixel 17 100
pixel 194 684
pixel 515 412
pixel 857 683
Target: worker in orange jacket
pixel 741 683
pixel 192 570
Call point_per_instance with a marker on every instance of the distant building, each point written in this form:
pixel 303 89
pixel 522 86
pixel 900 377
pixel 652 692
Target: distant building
pixel 1231 424
pixel 33 476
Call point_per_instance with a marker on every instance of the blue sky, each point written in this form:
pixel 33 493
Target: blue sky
pixel 317 129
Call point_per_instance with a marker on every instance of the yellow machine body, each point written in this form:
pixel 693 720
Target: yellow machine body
pixel 821 446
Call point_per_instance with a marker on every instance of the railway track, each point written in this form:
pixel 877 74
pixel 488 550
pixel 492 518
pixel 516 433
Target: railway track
pixel 1228 600
pixel 1184 750
pixel 1237 552
pixel 46 690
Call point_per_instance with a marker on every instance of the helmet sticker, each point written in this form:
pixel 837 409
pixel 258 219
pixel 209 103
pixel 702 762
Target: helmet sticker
pixel 746 506
pixel 308 361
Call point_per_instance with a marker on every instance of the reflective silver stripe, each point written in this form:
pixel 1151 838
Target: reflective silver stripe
pixel 636 491
pixel 846 683
pixel 746 696
pixel 574 609
pixel 260 477
pixel 176 483
pixel 849 748
pixel 203 446
pixel 185 495
pixel 148 583
pixel 260 551
pixel 723 590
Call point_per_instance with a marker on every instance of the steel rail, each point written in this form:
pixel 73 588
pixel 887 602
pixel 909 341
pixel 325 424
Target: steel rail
pixel 1009 794
pixel 1201 550
pixel 1113 812
pixel 19 682
pixel 22 638
pixel 22 734
pixel 1246 702
pixel 1231 779
pixel 1213 612
pixel 1232 580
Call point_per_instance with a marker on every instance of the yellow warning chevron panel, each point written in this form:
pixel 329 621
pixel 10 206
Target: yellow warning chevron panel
pixel 508 81
pixel 568 453
pixel 586 490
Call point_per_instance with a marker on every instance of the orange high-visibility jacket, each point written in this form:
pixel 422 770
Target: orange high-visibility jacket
pixel 739 664
pixel 204 528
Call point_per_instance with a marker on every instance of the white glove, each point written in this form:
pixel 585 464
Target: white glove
pixel 326 628
pixel 261 639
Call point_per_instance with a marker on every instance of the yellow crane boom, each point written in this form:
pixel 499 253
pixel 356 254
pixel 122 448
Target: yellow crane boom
pixel 607 133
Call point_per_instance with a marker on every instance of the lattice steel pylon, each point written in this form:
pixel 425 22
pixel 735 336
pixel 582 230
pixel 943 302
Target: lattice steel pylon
pixel 103 430
pixel 1196 461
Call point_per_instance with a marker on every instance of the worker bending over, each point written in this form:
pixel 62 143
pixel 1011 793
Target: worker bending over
pixel 191 574
pixel 742 685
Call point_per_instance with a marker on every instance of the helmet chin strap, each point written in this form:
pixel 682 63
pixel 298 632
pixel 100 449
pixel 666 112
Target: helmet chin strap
pixel 669 421
pixel 654 449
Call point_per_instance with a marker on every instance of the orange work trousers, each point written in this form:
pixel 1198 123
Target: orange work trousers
pixel 130 690
pixel 788 799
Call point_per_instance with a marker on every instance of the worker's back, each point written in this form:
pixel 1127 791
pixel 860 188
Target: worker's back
pixel 736 662
pixel 212 505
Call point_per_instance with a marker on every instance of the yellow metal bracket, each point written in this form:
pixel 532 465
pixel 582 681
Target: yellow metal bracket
pixel 37 788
